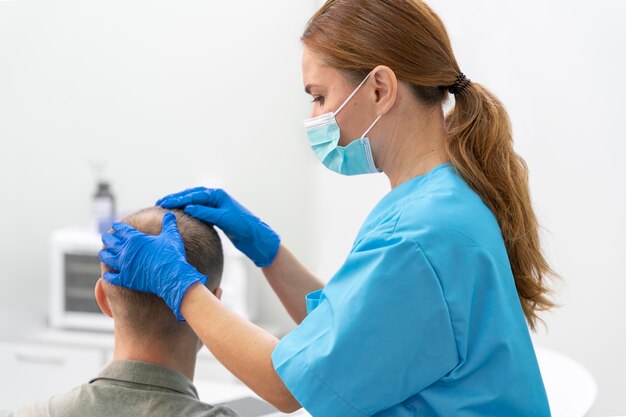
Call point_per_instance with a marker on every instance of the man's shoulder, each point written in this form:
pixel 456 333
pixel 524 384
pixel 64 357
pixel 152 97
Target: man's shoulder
pixel 54 407
pixel 76 404
pixel 128 389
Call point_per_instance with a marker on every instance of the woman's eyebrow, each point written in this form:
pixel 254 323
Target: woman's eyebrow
pixel 307 89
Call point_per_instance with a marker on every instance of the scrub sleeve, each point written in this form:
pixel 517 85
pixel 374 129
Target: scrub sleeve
pixel 378 334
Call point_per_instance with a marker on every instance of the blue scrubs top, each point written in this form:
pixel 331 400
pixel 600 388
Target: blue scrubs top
pixel 423 318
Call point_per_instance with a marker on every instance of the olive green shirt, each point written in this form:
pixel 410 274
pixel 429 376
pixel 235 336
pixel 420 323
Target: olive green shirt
pixel 128 389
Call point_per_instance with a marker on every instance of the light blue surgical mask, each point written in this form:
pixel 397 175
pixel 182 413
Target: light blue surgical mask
pixel 323 133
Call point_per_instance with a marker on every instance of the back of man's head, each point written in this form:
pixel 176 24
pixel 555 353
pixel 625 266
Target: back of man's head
pixel 147 315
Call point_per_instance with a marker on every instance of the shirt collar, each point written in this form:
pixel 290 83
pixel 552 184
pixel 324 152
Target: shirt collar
pixel 147 374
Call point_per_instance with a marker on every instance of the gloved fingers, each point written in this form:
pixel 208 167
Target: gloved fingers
pixel 206 214
pixel 112 278
pixel 110 259
pixel 110 240
pixel 169 224
pixel 178 195
pixel 124 230
pixel 211 197
pixel 197 196
pixel 170 229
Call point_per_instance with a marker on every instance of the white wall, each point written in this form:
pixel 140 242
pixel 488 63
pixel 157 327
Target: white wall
pixel 558 67
pixel 169 94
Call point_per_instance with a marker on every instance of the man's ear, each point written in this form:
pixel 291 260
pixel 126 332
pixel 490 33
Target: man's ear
pixel 218 293
pixel 101 299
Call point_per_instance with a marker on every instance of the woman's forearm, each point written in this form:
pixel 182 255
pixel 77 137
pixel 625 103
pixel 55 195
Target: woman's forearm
pixel 291 281
pixel 243 348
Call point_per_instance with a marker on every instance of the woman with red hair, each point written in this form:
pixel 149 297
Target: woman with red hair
pixel 429 314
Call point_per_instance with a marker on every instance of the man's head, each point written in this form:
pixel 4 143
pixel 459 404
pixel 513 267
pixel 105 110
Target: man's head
pixel 145 315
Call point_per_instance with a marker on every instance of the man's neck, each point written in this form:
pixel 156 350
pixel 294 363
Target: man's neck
pixel 180 356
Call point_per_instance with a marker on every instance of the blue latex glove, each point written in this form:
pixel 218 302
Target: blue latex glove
pixel 150 264
pixel 214 206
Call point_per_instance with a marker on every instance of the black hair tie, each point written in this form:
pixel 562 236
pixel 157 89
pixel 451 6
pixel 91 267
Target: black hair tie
pixel 459 85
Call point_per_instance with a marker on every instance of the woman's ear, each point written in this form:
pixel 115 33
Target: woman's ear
pixel 101 299
pixel 386 88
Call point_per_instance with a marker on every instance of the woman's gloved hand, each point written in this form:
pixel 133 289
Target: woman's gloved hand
pixel 151 264
pixel 214 206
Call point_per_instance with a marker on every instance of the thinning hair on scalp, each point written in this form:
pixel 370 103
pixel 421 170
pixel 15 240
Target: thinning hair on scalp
pixel 355 36
pixel 147 314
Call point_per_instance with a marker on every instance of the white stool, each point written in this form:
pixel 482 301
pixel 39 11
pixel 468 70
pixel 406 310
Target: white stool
pixel 571 388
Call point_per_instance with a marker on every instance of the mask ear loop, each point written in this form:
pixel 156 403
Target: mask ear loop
pixel 372 126
pixel 353 93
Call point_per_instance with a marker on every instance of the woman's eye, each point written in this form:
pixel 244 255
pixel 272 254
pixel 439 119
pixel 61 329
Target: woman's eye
pixel 318 99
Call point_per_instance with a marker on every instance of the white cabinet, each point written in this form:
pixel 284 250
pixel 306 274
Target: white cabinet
pixel 35 372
